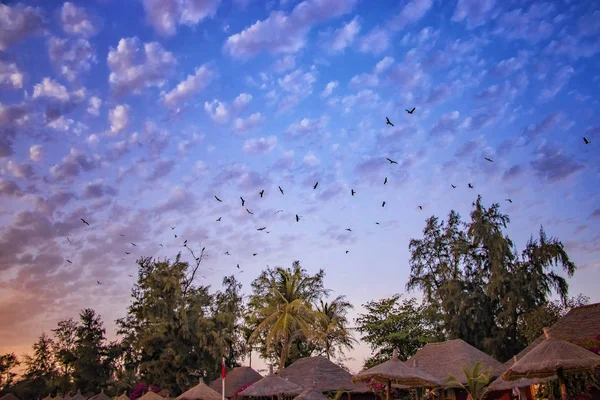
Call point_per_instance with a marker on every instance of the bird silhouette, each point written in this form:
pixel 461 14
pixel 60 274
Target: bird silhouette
pixel 131 276
pixel 238 266
pixel 185 242
pixel 243 201
pixel 471 186
pixel 391 161
pixel 122 259
pixel 160 244
pixel 385 180
pixel 84 221
pixel 352 192
pixel 349 230
pixel 249 212
pixel 69 261
pixel 280 189
pixel 586 141
pixel 254 254
pixel 488 159
pixel 453 186
pixel 297 218
pixel 175 236
pixel 219 219
pixel 387 121
pixel 134 245
pixel 69 240
pixel 377 223
pixel 120 234
pixel 383 204
pixel 172 227
pixel 261 192
pixel 262 229
pixel 99 283
pixel 315 186
pixel 218 199
pixel 278 211
pixel 411 111
pixel 128 253
pixel 227 253
pixel 347 251
pixel 509 200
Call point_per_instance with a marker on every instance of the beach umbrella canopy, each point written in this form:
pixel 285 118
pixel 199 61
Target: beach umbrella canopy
pixel 9 396
pixel 553 357
pixel 311 394
pixel 502 384
pixel 150 395
pixel 200 392
pixel 123 397
pixel 236 378
pixel 100 396
pixel 322 374
pixel 272 385
pixel 79 396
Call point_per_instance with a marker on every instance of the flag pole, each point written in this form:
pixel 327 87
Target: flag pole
pixel 223 380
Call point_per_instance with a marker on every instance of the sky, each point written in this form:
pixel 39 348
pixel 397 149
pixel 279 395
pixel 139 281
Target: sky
pixel 134 115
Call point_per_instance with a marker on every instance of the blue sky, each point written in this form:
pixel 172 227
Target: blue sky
pixel 133 115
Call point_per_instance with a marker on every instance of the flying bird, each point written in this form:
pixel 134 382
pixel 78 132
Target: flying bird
pixel 280 189
pixel 385 180
pixel 185 242
pixel 175 236
pixel 387 121
pixel 249 212
pixel 453 186
pixel 262 229
pixel 254 254
pixel 488 159
pixel 122 259
pixel 297 218
pixel 84 221
pixel 411 111
pixel 278 211
pixel 377 223
pixel 352 192
pixel 509 200
pixel 134 245
pixel 383 204
pixel 99 283
pixel 349 230
pixel 227 253
pixel 347 251
pixel 160 244
pixel 238 266
pixel 131 276
pixel 219 219
pixel 261 192
pixel 120 234
pixel 585 140
pixel 218 199
pixel 471 186
pixel 69 240
pixel 172 227
pixel 243 201
pixel 128 253
pixel 315 186
pixel 391 161
pixel 69 261
pixel 420 207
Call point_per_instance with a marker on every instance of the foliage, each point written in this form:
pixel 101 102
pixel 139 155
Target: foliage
pixel 398 323
pixel 331 326
pixel 476 379
pixel 242 388
pixel 140 390
pixel 7 363
pixel 379 389
pixel 471 274
pixel 41 367
pixel 65 336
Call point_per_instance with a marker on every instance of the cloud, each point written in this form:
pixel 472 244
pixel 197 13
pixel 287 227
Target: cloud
pixel 365 98
pixel 329 88
pixel 119 119
pixel 596 213
pixel 72 165
pixel 588 24
pixel 531 132
pixel 162 168
pixel 217 111
pixel 51 89
pixel 9 188
pixel 513 172
pixel 71 57
pixel 375 42
pixel 36 152
pixel 285 33
pixel 18 22
pixel 572 47
pixel 244 125
pixel 408 75
pixel 412 12
pixel 529 26
pixel 298 84
pixel 192 85
pixel 306 127
pixel 562 77
pixel 344 36
pixel 98 189
pixel 475 12
pixel 10 75
pixel 552 164
pixel 311 160
pixel 94 105
pixel 93 140
pixel 262 145
pixel 284 64
pixel 61 123
pixel 511 65
pixel 76 21
pixel 165 15
pixel 12 114
pixel 447 125
pixel 241 101
pixel 20 171
pixel 134 67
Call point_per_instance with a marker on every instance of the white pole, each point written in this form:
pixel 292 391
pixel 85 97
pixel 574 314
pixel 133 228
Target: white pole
pixel 223 382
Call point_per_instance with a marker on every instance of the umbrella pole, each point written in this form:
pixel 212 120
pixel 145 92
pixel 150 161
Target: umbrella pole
pixel 563 388
pixel 388 389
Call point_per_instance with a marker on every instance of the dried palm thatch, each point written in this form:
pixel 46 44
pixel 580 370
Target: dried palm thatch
pixel 502 384
pixel 311 394
pixel 200 392
pixel 100 396
pixel 236 378
pixel 322 374
pixel 397 372
pixel 123 397
pixel 49 397
pixel 272 385
pixel 78 396
pixel 445 359
pixel 150 395
pixel 9 396
pixel 67 396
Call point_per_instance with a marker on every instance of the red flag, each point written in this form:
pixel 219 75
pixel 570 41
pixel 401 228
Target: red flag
pixel 223 374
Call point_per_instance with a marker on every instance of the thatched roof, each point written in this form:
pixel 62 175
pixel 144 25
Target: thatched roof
pixel 235 379
pixel 328 376
pixel 67 397
pixel 150 395
pixel 9 396
pixel 579 325
pixel 398 372
pixel 47 398
pixel 200 392
pixel 502 384
pixel 311 394
pixel 550 355
pixel 444 359
pixel 78 396
pixel 100 396
pixel 123 397
pixel 272 385
pixel 58 397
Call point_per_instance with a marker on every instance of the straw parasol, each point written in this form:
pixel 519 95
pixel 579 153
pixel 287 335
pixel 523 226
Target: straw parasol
pixel 67 396
pixel 502 384
pixel 236 378
pixel 199 392
pixel 398 372
pixel 78 396
pixel 551 357
pixel 123 397
pixel 311 394
pixel 150 395
pixel 100 396
pixel 48 397
pixel 272 385
pixel 9 396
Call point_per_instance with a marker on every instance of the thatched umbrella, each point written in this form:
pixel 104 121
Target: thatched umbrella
pixel 123 397
pixel 502 384
pixel 9 396
pixel 272 385
pixel 397 372
pixel 79 396
pixel 47 398
pixel 553 357
pixel 150 395
pixel 311 394
pixel 100 396
pixel 236 378
pixel 199 392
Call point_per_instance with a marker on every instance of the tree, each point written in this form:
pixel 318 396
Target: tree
pixel 64 351
pixel 41 367
pixel 7 363
pixel 281 309
pixel 476 379
pixel 331 326
pixel 396 323
pixel 472 275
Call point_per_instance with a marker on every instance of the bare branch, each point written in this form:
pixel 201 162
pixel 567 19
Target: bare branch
pixel 197 261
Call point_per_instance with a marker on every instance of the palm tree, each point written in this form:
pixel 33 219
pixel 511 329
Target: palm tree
pixel 285 311
pixel 476 380
pixel 331 325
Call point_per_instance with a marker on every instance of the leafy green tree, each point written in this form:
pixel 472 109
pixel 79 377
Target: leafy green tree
pixel 476 378
pixel 331 327
pixel 7 363
pixel 473 276
pixel 281 309
pixel 65 336
pixel 396 323
pixel 41 367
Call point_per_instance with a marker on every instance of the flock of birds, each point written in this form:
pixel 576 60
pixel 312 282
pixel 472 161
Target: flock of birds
pixel 297 217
